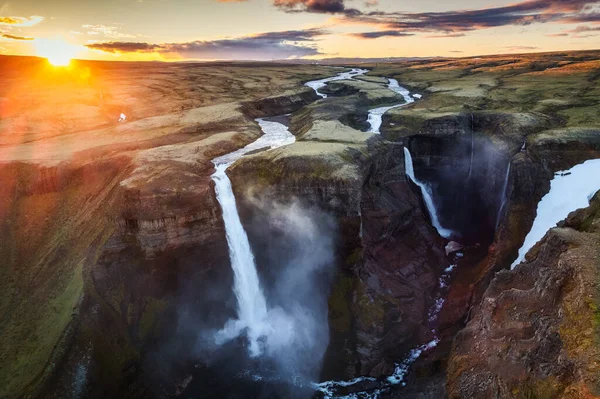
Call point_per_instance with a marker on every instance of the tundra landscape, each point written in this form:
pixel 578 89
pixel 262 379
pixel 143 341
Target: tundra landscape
pixel 361 247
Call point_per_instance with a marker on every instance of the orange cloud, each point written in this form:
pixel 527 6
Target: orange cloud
pixel 13 37
pixel 21 21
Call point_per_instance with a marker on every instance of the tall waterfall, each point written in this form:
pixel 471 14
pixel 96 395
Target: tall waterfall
pixel 427 196
pixel 251 302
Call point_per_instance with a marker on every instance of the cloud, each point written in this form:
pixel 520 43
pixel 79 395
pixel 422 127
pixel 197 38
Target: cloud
pixel 577 32
pixel 456 21
pixel 446 35
pixel 381 33
pixel 371 3
pixel 21 21
pixel 584 28
pixel 263 46
pixel 124 47
pixel 317 6
pixel 521 48
pixel 107 31
pixel 13 37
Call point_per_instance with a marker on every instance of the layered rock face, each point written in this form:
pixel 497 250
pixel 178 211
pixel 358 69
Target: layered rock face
pixel 402 260
pixel 534 334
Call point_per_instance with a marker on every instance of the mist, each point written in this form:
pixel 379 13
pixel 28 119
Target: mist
pixel 300 260
pixel 294 248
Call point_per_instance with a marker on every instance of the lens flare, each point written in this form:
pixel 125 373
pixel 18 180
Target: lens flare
pixel 58 52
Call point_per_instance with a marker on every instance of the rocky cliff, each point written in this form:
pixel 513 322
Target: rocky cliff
pixel 535 332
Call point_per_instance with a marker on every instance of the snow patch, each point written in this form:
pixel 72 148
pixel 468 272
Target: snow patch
pixel 569 190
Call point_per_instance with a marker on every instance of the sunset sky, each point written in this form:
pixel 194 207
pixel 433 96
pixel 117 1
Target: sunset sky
pixel 278 29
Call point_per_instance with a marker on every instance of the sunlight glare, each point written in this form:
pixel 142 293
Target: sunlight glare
pixel 57 51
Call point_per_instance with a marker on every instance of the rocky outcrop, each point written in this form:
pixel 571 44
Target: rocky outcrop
pixel 279 105
pixel 561 149
pixel 534 332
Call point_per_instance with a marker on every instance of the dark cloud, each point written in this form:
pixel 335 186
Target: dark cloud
pixel 317 6
pixel 124 47
pixel 270 45
pixel 381 33
pixel 13 37
pixel 521 13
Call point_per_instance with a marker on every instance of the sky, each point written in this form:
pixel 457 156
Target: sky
pixel 174 30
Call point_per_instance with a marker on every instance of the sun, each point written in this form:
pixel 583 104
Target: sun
pixel 57 51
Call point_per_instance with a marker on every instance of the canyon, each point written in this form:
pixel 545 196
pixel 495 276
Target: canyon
pixel 420 181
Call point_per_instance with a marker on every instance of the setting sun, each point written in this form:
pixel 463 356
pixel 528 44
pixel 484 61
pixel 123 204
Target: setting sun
pixel 57 51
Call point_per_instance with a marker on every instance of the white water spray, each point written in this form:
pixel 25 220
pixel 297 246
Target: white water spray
pixel 252 306
pixel 316 85
pixel 375 118
pixel 569 190
pixel 427 195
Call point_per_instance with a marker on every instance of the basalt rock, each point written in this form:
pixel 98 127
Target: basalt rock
pixel 534 333
pixel 279 105
pixel 403 257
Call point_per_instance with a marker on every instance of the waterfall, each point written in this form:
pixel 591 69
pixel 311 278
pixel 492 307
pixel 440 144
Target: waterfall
pixel 427 195
pixel 375 118
pixel 472 149
pixel 503 199
pixel 251 302
pixel 569 190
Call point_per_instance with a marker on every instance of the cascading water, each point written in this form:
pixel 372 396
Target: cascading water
pixel 569 190
pixel 375 118
pixel 319 84
pixel 472 149
pixel 427 196
pixel 503 199
pixel 252 306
